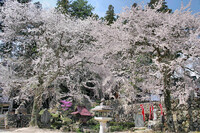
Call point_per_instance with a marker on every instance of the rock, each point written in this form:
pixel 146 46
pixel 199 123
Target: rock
pixel 45 118
pixel 179 72
pixel 192 67
pixel 185 113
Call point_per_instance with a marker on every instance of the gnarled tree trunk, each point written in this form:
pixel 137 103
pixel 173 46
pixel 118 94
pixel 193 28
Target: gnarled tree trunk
pixel 36 107
pixel 167 99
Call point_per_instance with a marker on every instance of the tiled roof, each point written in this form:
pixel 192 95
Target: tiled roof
pixel 82 111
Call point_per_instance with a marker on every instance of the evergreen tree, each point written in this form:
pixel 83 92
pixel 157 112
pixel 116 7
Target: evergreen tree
pixel 134 5
pixel 38 5
pixel 96 16
pixel 24 1
pixel 164 7
pixel 1 2
pixel 81 9
pixel 110 15
pixel 63 6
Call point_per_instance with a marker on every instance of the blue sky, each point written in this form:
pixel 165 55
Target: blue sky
pixel 101 6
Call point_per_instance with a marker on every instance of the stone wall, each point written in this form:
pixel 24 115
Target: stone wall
pixel 13 121
pixel 187 117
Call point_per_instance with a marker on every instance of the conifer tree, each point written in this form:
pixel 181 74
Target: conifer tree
pixel 77 8
pixel 110 15
pixel 134 5
pixel 81 9
pixel 24 1
pixel 164 7
pixel 63 6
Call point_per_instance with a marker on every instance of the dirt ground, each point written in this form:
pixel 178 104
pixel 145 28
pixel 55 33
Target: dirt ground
pixel 38 130
pixel 30 130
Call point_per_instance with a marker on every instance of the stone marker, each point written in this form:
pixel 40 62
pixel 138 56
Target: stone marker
pixel 45 118
pixel 139 122
pixel 154 115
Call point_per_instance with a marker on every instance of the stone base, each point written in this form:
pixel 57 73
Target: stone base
pixel 152 123
pixel 139 128
pixel 142 130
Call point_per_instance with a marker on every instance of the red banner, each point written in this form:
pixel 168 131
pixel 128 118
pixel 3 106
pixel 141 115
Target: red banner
pixel 151 112
pixel 161 109
pixel 142 111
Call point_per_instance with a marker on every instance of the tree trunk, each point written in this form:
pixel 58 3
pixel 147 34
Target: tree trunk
pixel 34 113
pixel 167 99
pixel 36 107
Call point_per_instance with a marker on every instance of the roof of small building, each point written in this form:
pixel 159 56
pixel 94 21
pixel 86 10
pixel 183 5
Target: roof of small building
pixel 82 111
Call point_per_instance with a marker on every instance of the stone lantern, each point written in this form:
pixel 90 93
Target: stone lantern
pixel 102 112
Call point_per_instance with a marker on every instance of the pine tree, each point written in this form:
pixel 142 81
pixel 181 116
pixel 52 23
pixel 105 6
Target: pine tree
pixel 110 15
pixel 63 6
pixel 24 1
pixel 134 5
pixel 164 7
pixel 81 9
pixel 1 2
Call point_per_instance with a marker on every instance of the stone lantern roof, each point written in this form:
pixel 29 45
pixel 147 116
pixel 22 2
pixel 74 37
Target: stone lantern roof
pixel 102 108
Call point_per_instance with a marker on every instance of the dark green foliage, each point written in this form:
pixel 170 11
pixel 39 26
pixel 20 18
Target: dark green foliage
pixel 78 8
pixel 116 128
pixel 96 16
pixel 110 15
pixel 120 126
pixel 56 121
pixel 164 7
pixel 24 1
pixel 38 5
pixel 63 6
pixel 1 2
pixel 134 5
pixel 93 124
pixel 81 9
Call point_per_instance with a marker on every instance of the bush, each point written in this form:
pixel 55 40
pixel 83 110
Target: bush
pixel 78 130
pixel 56 122
pixel 93 124
pixel 116 128
pixel 66 120
pixel 120 126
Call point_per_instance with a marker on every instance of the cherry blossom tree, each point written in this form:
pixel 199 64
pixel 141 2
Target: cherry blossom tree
pixel 163 37
pixel 60 41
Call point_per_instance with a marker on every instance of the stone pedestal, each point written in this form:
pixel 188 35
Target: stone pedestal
pixel 103 123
